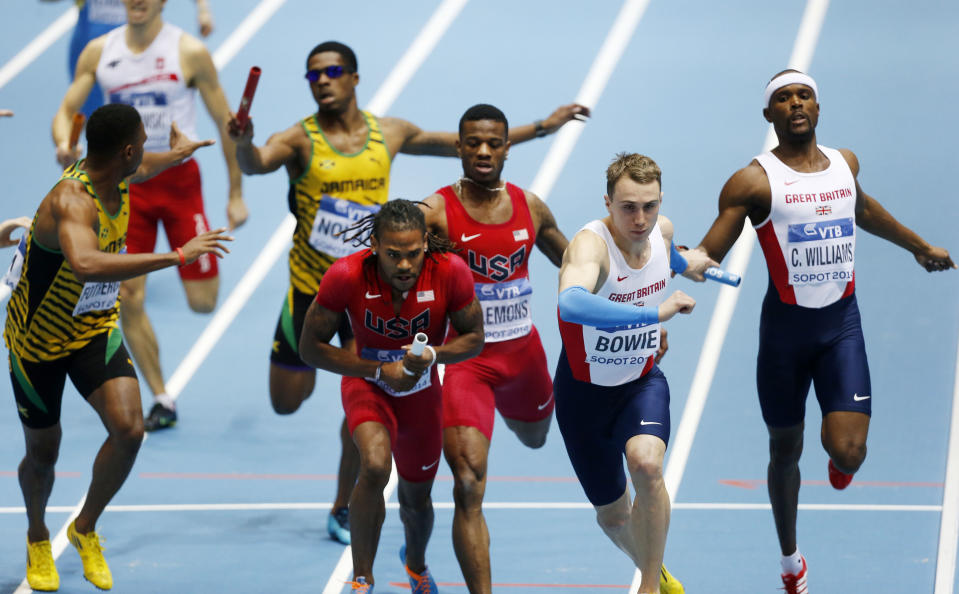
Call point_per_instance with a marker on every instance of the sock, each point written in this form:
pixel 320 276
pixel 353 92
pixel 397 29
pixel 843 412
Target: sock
pixel 792 564
pixel 166 400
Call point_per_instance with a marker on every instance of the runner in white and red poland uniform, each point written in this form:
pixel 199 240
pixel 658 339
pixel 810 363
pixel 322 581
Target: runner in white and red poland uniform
pixel 805 202
pixel 494 226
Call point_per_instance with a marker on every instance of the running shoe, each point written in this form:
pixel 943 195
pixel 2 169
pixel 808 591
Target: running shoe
pixel 91 553
pixel 420 583
pixel 837 478
pixel 795 583
pixel 160 417
pixel 41 572
pixel 668 584
pixel 360 586
pixel 338 525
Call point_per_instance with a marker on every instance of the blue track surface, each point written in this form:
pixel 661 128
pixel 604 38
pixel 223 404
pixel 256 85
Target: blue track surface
pixel 687 92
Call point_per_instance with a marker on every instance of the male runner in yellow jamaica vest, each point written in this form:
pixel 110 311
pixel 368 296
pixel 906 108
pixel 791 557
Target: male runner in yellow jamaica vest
pixel 62 320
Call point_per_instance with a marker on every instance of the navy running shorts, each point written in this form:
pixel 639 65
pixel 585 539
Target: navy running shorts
pixel 597 421
pixel 799 345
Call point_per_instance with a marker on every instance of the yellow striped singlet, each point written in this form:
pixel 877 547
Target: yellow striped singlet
pixel 51 314
pixel 333 193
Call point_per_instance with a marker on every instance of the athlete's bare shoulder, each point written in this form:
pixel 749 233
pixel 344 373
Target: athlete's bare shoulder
pixel 851 160
pixel 747 188
pixel 434 210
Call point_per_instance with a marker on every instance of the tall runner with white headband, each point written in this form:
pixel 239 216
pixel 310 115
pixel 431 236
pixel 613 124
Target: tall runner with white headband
pixel 338 160
pixel 805 202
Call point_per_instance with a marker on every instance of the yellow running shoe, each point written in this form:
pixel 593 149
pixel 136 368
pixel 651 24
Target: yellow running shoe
pixel 41 572
pixel 668 584
pixel 91 553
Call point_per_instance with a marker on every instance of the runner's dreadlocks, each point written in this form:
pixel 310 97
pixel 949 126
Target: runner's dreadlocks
pixel 397 215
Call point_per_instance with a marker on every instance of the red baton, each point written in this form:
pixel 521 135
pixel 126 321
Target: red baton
pixel 75 128
pixel 242 114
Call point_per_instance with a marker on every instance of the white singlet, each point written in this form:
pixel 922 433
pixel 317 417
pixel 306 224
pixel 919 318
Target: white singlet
pixel 152 82
pixel 809 238
pixel 615 356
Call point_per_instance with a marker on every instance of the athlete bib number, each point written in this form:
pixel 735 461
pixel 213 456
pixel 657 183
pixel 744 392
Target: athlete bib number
pixel 506 309
pixel 335 216
pixel 12 277
pixel 389 356
pixel 821 252
pixel 97 297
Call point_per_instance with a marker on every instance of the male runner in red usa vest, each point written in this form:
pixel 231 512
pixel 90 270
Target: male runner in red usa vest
pixel 494 226
pixel 805 202
pixel 611 398
pixel 404 284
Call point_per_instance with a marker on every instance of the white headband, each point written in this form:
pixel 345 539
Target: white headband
pixel 786 79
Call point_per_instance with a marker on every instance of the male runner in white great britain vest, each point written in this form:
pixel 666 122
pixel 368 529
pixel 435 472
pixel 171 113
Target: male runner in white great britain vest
pixel 158 69
pixel 611 398
pixel 805 203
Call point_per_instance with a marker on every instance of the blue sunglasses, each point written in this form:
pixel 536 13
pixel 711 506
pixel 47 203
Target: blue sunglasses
pixel 329 71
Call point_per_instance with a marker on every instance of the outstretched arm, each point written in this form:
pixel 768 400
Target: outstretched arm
pixel 181 147
pixel 279 150
pixel 201 73
pixel 74 218
pixel 745 195
pixel 412 140
pixel 872 217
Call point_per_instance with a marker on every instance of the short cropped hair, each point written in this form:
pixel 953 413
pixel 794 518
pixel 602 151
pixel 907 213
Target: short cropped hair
pixel 640 168
pixel 110 128
pixel 349 58
pixel 484 111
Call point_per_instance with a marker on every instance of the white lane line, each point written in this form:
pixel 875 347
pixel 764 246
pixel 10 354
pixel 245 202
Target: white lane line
pixel 949 522
pixel 415 55
pixel 589 93
pixel 245 31
pixel 497 505
pixel 226 313
pixel 738 261
pixel 40 43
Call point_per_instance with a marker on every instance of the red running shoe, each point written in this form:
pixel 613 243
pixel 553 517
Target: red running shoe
pixel 837 478
pixel 795 584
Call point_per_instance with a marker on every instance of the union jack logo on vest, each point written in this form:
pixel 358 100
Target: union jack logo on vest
pixel 823 210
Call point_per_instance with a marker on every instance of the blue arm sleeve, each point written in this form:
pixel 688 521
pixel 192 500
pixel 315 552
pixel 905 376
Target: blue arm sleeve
pixel 579 306
pixel 676 260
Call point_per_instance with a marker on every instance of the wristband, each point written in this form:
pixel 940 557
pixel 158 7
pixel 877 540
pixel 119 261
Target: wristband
pixel 179 253
pixel 376 375
pixel 433 362
pixel 676 260
pixel 407 371
pixel 538 130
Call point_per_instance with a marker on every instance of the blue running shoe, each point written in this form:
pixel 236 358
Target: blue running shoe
pixel 359 586
pixel 338 525
pixel 420 583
